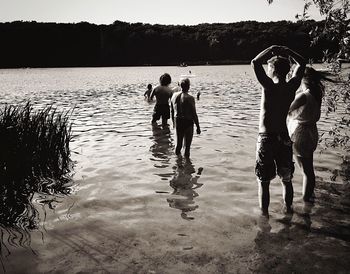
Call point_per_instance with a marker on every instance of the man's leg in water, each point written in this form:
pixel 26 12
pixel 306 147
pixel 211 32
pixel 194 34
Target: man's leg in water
pixel 288 194
pixel 155 115
pixel 188 140
pixel 265 170
pixel 154 120
pixel 165 115
pixel 164 122
pixel 285 169
pixel 264 196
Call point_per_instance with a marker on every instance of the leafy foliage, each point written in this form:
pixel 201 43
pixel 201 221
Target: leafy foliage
pixel 337 101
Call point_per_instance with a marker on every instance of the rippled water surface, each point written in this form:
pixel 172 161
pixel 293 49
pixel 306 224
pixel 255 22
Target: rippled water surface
pixel 133 195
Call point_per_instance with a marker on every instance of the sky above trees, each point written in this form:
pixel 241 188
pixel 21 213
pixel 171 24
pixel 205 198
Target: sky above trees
pixel 179 12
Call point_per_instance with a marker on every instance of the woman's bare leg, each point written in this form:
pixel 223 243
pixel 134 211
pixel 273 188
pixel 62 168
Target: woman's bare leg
pixel 188 140
pixel 307 166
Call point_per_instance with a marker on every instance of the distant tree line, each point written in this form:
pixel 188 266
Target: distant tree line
pixel 32 44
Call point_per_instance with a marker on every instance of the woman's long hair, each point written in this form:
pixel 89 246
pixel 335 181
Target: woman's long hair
pixel 313 80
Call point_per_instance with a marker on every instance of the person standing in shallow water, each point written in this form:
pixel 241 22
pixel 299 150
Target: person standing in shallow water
pixel 274 147
pixel 184 115
pixel 304 112
pixel 148 92
pixel 162 93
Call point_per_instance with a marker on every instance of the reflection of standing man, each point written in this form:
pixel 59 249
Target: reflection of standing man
pixel 162 146
pixel 184 185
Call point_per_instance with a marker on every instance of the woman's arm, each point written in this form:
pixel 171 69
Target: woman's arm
pixel 195 116
pixel 172 111
pixel 300 100
pixel 299 60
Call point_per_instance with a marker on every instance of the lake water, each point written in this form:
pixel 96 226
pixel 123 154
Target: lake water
pixel 136 207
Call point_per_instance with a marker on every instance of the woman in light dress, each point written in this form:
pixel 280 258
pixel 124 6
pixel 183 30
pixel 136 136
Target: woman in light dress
pixel 303 115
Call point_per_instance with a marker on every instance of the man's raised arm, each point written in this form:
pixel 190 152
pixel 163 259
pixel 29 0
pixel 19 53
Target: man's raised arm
pixel 257 64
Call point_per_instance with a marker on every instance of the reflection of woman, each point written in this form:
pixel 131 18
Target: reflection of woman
pixel 303 115
pixel 184 186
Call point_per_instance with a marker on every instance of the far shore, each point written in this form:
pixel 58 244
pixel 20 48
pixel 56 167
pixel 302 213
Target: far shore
pixel 188 64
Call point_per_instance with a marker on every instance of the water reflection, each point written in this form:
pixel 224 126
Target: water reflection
pixel 18 217
pixel 184 183
pixel 263 225
pixel 162 146
pixel 20 214
pixel 272 245
pixel 306 216
pixel 316 236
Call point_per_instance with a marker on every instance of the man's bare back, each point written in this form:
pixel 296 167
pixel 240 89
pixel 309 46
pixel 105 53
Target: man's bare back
pixel 275 101
pixel 163 94
pixel 277 93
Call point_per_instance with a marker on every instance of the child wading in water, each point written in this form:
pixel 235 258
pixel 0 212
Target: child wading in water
pixel 148 92
pixel 163 93
pixel 274 147
pixel 184 115
pixel 304 112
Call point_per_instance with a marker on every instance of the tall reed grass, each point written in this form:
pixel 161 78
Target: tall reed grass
pixel 34 158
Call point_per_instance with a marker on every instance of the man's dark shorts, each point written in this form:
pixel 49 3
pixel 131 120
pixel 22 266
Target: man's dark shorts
pixel 162 110
pixel 274 151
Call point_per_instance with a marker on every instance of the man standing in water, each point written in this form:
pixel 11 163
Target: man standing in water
pixel 163 93
pixel 183 114
pixel 274 147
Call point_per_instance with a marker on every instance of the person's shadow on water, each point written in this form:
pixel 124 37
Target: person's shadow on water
pixel 184 183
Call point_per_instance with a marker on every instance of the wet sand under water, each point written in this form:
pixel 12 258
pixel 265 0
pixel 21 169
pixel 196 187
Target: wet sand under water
pixel 137 208
pixel 311 241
